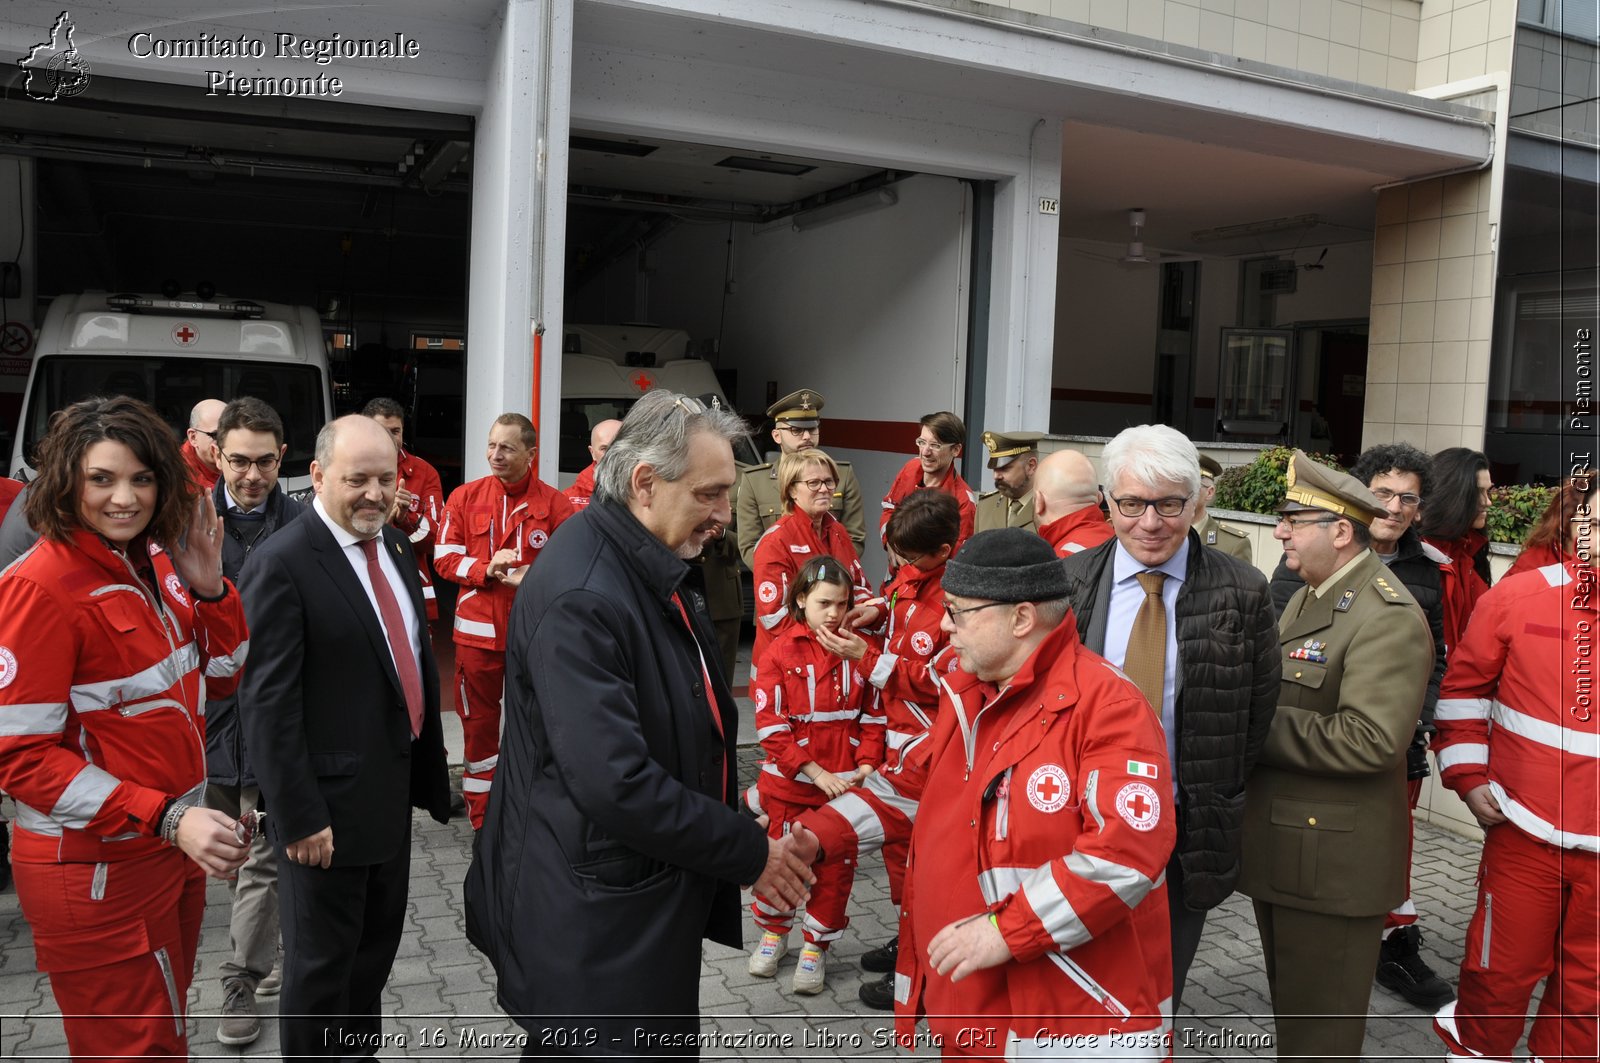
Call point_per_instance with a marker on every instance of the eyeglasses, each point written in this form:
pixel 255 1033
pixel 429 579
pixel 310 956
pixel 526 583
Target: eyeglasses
pixel 819 485
pixel 931 444
pixel 1133 506
pixel 1407 498
pixel 953 613
pixel 213 435
pixel 689 405
pixel 239 463
pixel 791 429
pixel 1286 519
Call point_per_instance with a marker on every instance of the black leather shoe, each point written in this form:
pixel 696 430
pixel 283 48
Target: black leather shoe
pixel 1402 970
pixel 882 959
pixel 878 992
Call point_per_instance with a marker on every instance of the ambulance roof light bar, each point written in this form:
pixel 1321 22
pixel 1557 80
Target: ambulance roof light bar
pixel 135 304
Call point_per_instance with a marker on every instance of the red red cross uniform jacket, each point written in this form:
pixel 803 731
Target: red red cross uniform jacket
pixel 909 479
pixel 582 489
pixel 811 705
pixel 1509 711
pixel 420 521
pixel 1517 713
pixel 783 551
pixel 1083 530
pixel 1459 582
pixel 201 472
pixel 483 517
pixel 902 670
pixel 101 718
pixel 1046 804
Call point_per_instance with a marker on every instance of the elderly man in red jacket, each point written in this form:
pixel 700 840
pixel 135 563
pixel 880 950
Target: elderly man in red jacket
pixel 1048 932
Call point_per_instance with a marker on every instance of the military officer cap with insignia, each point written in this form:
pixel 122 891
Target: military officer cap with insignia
pixel 1312 485
pixel 1210 466
pixel 800 409
pixel 1007 447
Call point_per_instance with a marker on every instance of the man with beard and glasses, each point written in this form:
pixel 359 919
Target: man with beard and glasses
pixel 342 722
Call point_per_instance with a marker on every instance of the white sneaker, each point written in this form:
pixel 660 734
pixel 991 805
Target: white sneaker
pixel 810 974
pixel 764 960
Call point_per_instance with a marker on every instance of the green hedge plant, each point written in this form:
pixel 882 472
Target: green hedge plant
pixel 1259 486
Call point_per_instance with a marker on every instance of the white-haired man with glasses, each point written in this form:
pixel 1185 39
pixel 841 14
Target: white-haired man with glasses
pixel 612 843
pixel 1195 630
pixel 251 448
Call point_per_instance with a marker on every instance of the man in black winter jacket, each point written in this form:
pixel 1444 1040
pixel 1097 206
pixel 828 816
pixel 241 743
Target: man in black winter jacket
pixel 1213 679
pixel 612 843
pixel 1399 475
pixel 252 507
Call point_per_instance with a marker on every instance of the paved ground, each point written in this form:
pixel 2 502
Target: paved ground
pixel 440 998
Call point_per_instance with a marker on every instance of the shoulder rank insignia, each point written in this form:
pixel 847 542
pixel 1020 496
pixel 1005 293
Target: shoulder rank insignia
pixel 1345 600
pixel 1310 650
pixel 1388 591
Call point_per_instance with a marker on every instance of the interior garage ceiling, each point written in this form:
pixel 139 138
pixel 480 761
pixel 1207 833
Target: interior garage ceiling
pixel 623 185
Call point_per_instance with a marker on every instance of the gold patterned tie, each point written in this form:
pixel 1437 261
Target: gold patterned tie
pixel 1146 663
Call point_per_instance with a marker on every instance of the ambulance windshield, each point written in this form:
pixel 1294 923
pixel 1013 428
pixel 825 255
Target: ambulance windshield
pixel 174 385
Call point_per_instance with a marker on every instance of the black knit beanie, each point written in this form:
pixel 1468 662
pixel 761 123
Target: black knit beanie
pixel 1006 565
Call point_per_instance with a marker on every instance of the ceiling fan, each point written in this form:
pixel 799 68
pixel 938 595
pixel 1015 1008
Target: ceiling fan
pixel 1137 254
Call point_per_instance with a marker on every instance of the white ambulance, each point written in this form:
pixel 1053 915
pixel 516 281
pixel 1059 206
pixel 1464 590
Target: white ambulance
pixel 174 352
pixel 604 370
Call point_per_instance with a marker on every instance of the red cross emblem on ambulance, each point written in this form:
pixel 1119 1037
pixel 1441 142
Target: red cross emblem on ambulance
pixel 1048 788
pixel 184 335
pixel 643 381
pixel 1139 806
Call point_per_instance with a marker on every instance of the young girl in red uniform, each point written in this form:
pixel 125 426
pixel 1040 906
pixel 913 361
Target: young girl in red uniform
pixel 810 706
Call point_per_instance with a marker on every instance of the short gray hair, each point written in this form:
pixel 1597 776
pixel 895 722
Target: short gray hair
pixel 657 432
pixel 1151 452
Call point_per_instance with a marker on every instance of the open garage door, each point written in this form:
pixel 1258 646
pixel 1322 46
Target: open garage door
pixel 782 272
pixel 359 212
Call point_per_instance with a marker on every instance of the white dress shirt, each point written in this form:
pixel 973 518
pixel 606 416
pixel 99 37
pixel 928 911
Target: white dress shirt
pixel 353 553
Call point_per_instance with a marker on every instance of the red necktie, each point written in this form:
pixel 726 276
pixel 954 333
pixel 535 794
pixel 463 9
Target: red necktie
pixel 705 675
pixel 394 625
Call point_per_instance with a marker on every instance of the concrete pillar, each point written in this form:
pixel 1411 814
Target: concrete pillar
pixel 519 203
pixel 1022 323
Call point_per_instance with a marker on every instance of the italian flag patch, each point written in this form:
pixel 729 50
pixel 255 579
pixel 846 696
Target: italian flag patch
pixel 1140 768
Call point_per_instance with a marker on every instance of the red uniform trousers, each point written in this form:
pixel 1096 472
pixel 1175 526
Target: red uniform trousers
pixel 825 917
pixel 480 686
pixel 119 966
pixel 1406 914
pixel 1538 915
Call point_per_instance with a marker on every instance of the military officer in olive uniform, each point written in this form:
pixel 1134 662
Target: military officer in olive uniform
pixel 1014 458
pixel 797 425
pixel 1324 847
pixel 1213 534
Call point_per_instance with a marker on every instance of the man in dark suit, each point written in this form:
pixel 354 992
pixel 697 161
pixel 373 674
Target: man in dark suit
pixel 341 715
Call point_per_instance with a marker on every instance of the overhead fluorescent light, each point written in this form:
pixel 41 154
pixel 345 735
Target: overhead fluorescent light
pixel 746 162
pixel 612 147
pixel 1257 228
pixel 846 208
